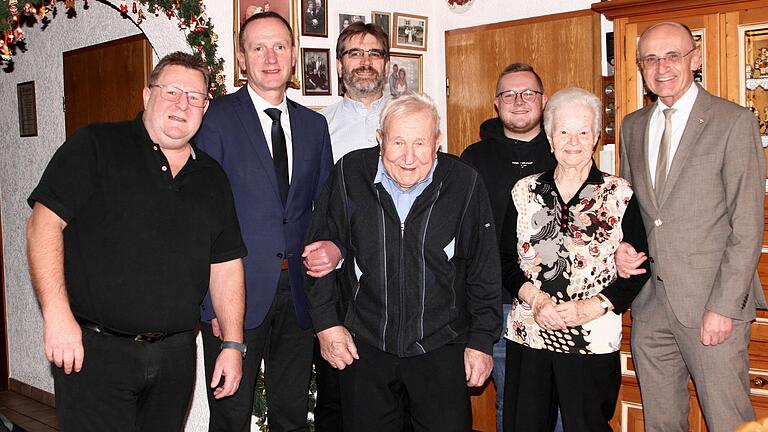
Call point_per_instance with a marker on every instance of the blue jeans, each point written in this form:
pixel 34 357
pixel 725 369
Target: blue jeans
pixel 499 364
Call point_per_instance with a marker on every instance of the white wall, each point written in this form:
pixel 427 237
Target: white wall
pixel 22 160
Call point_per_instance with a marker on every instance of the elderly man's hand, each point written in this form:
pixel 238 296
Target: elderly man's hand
pixel 229 368
pixel 321 257
pixel 63 342
pixel 628 260
pixel 337 347
pixel 477 367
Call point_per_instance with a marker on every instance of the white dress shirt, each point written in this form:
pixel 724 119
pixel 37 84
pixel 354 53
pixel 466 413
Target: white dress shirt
pixel 352 126
pixel 684 105
pixel 266 124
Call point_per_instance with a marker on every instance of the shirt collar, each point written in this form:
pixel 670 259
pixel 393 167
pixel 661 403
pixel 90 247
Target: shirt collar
pixel 685 103
pixel 382 175
pixel 357 106
pixel 595 176
pixel 138 124
pixel 261 104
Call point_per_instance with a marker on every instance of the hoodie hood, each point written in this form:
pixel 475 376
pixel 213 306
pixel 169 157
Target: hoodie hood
pixel 491 128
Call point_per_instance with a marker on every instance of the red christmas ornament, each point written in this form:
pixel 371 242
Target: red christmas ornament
pixel 134 8
pixel 169 13
pixel 14 10
pixel 123 7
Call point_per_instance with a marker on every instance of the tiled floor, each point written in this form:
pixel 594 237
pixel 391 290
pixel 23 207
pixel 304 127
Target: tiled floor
pixel 28 413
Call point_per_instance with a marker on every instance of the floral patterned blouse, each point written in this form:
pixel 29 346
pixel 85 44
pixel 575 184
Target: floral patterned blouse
pixel 566 249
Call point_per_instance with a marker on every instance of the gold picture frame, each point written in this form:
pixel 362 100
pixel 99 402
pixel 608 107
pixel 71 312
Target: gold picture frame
pixel 413 65
pixel 409 31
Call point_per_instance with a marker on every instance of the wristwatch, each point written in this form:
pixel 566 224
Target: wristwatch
pixel 603 303
pixel 243 348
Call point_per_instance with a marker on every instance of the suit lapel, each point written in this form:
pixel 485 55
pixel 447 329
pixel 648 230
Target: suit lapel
pixel 252 126
pixel 645 170
pixel 697 121
pixel 297 142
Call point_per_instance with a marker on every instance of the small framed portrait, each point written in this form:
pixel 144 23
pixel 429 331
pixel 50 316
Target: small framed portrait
pixel 382 19
pixel 314 18
pixel 405 74
pixel 346 19
pixel 243 9
pixel 409 31
pixel 315 72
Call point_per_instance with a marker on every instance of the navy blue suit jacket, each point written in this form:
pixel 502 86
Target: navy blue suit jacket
pixel 231 133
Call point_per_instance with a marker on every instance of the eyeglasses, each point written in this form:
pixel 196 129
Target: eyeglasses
pixel 510 96
pixel 673 57
pixel 357 53
pixel 172 93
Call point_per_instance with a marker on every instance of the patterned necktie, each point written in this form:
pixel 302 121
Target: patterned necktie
pixel 663 159
pixel 279 152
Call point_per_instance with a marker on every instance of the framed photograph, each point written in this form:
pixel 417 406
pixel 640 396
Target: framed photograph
pixel 753 81
pixel 243 9
pixel 314 18
pixel 405 74
pixel 382 19
pixel 346 19
pixel 315 73
pixel 409 31
pixel 25 93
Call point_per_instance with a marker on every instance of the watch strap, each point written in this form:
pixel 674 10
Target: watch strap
pixel 243 348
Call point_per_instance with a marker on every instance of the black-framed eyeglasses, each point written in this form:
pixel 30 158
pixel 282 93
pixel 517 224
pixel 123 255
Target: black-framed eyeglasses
pixel 358 54
pixel 172 93
pixel 509 96
pixel 673 57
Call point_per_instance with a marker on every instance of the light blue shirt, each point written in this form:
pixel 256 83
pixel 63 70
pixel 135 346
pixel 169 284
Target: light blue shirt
pixel 352 126
pixel 403 199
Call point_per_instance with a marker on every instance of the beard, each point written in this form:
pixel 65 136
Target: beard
pixel 361 85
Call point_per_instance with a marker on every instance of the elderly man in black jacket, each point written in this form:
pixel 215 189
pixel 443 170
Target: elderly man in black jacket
pixel 416 306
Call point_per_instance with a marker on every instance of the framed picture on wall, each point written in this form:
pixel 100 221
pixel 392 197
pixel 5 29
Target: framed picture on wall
pixel 314 18
pixel 315 72
pixel 346 19
pixel 382 19
pixel 409 31
pixel 243 9
pixel 405 74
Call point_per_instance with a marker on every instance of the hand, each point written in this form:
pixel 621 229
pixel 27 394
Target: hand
pixel 715 328
pixel 215 328
pixel 229 367
pixel 546 315
pixel 579 312
pixel 63 341
pixel 477 367
pixel 337 347
pixel 321 258
pixel 628 260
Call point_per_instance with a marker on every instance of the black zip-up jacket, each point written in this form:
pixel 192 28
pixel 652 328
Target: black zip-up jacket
pixel 408 288
pixel 501 162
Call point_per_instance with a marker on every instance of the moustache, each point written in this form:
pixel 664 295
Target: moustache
pixel 365 69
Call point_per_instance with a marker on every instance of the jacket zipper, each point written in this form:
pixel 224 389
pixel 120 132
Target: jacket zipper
pixel 402 291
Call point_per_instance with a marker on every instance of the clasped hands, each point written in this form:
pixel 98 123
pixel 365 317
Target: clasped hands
pixel 551 316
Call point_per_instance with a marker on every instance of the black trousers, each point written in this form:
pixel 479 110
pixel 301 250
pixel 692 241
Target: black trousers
pixel 376 388
pixel 328 403
pixel 585 385
pixel 287 353
pixel 126 385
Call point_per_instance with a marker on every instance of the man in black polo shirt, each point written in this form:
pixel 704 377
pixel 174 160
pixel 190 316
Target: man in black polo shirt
pixel 130 224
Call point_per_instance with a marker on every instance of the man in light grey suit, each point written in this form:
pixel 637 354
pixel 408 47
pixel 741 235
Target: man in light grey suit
pixel 697 166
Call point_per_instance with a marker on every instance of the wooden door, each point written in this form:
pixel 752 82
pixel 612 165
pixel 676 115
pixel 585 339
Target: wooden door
pixel 103 83
pixel 564 49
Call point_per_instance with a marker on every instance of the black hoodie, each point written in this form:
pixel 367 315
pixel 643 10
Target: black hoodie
pixel 501 162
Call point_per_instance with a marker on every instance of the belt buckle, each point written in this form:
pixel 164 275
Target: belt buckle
pixel 149 337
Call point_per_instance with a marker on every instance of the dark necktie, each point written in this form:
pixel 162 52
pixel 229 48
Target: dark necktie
pixel 279 152
pixel 662 160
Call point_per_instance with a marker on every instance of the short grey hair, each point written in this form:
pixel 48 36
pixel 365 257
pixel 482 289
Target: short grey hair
pixel 568 98
pixel 410 104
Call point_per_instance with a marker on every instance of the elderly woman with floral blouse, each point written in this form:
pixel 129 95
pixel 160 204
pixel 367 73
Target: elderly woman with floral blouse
pixel 558 244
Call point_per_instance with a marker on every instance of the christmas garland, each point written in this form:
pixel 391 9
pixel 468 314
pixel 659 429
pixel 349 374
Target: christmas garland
pixel 190 14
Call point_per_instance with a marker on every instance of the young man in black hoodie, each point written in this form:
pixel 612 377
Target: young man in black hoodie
pixel 512 146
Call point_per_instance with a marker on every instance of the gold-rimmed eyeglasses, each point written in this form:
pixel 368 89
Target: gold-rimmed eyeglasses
pixel 672 57
pixel 172 93
pixel 510 96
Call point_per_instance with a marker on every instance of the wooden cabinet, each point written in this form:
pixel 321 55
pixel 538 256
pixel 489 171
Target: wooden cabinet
pixel 719 25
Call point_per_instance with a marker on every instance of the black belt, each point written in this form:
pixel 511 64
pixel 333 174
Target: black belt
pixel 142 337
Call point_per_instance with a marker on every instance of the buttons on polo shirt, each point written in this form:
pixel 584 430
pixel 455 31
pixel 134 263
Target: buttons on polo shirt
pixel 164 168
pixel 155 148
pixel 658 222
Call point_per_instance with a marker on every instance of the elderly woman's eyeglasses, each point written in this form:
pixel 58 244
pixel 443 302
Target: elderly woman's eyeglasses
pixel 172 93
pixel 509 96
pixel 673 57
pixel 358 54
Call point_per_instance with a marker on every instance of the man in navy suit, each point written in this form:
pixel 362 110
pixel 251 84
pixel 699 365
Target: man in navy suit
pixel 277 155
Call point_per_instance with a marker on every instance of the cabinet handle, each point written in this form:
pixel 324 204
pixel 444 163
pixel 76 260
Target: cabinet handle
pixel 758 382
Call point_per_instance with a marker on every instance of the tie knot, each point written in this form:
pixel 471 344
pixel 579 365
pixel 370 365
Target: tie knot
pixel 273 113
pixel 667 112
